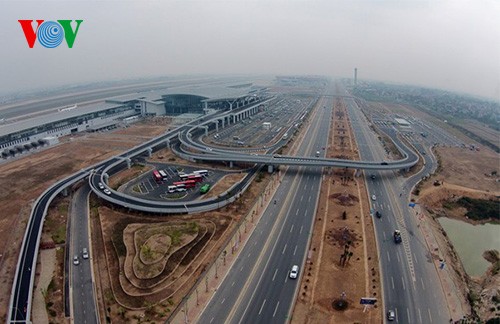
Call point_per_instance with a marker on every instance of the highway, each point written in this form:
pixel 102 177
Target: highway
pixel 81 288
pixel 411 285
pixel 258 289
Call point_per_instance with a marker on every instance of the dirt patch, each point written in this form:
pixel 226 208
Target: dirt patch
pixel 463 173
pixel 224 184
pixel 119 179
pixel 342 265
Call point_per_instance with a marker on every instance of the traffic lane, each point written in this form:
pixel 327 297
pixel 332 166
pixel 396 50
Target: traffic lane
pixel 268 289
pixel 83 299
pixel 218 309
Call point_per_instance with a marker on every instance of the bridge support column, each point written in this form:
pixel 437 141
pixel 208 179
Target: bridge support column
pixel 231 164
pixel 129 163
pixel 65 192
pixel 150 152
pixel 216 126
pixel 357 173
pixel 168 143
pixel 270 168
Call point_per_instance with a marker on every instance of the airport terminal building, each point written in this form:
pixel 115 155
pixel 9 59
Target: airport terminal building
pixel 19 136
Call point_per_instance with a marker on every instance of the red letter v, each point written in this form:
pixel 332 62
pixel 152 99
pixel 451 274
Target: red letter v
pixel 29 33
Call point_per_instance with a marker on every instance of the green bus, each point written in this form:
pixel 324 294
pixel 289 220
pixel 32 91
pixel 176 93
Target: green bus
pixel 205 188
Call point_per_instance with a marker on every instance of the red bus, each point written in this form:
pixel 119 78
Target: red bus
pixel 187 183
pixel 157 176
pixel 196 177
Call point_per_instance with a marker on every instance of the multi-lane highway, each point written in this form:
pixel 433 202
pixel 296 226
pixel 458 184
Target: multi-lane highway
pixel 411 285
pixel 258 288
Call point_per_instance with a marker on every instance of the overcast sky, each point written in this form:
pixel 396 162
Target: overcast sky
pixel 451 45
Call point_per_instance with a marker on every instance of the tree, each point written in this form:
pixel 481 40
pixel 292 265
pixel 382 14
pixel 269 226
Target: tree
pixel 344 215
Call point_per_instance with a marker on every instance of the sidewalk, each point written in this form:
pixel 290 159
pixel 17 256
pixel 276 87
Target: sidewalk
pixel 451 292
pixel 46 268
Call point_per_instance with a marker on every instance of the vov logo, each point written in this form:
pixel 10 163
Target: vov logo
pixel 50 34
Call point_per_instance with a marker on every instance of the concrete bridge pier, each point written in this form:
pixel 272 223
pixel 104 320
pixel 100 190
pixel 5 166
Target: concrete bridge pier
pixel 106 177
pixel 129 163
pixel 231 164
pixel 270 168
pixel 357 173
pixel 168 143
pixel 150 151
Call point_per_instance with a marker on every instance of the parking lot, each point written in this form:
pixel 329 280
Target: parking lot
pixel 147 187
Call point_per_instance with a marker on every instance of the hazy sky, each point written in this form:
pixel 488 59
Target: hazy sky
pixel 445 44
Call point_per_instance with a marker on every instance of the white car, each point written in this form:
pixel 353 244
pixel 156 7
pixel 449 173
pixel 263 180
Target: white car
pixel 85 253
pixel 107 192
pixel 294 272
pixel 374 197
pixel 75 260
pixel 100 185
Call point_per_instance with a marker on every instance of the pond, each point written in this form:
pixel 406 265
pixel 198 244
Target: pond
pixel 470 241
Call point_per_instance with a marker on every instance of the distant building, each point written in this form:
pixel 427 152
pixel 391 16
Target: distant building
pixel 402 122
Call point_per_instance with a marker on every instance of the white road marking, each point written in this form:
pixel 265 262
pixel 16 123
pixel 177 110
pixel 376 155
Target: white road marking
pixel 415 258
pixel 249 254
pixel 300 232
pixel 222 302
pixel 261 307
pixel 232 284
pixel 291 228
pixel 275 272
pixel 295 250
pixel 408 313
pixel 309 200
pixel 284 248
pixel 297 212
pixel 403 281
pixel 422 281
pixel 241 269
pixel 430 316
pixel 389 207
pixel 399 260
pixel 392 281
pixel 301 197
pixel 212 319
pixel 276 308
pixel 382 206
pixel 419 315
pixel 385 237
pixel 388 257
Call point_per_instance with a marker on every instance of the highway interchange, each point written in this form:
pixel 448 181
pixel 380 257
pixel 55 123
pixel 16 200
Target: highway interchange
pixel 407 273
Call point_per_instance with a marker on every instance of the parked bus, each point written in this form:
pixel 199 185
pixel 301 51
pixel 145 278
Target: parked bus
pixel 201 172
pixel 163 174
pixel 196 177
pixel 205 188
pixel 171 189
pixel 157 176
pixel 187 183
pixel 184 176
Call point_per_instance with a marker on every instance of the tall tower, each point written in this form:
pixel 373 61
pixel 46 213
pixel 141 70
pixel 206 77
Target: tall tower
pixel 355 76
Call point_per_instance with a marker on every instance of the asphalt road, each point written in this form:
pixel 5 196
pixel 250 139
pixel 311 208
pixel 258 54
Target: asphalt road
pixel 411 284
pixel 258 288
pixel 81 286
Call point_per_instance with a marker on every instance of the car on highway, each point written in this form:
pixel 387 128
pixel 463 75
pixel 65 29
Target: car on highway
pixel 85 253
pixel 294 272
pixel 378 214
pixel 397 237
pixel 107 192
pixel 391 316
pixel 100 185
pixel 384 163
pixel 372 176
pixel 181 189
pixel 374 197
pixel 75 260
